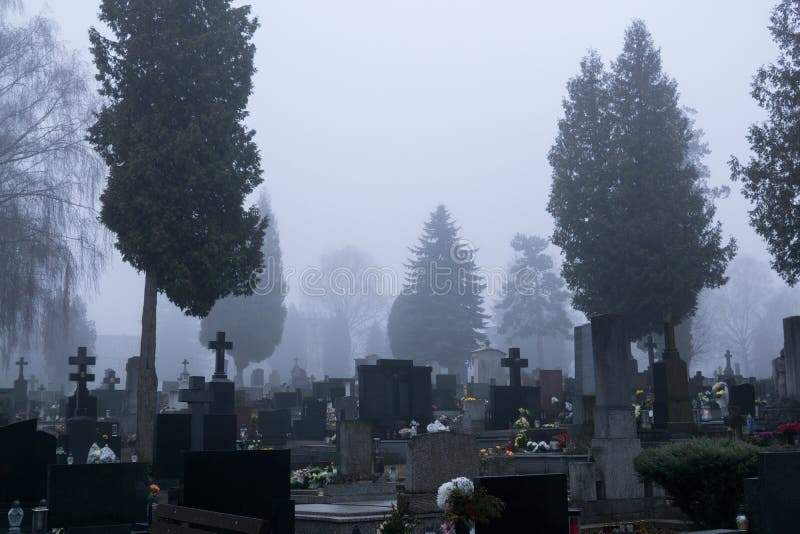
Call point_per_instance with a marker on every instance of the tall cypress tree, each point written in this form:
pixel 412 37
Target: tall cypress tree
pixel 255 322
pixel 439 314
pixel 633 213
pixel 176 76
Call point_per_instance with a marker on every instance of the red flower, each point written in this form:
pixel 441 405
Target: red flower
pixel 471 511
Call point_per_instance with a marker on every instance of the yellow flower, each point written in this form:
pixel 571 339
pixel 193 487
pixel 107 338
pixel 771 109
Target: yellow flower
pixel 640 392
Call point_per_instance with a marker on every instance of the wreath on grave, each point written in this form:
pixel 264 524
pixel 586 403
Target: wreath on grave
pixel 463 505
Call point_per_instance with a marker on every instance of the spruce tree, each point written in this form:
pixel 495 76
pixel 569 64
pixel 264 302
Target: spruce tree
pixel 771 178
pixel 176 76
pixel 439 314
pixel 633 213
pixel 255 322
pixel 534 303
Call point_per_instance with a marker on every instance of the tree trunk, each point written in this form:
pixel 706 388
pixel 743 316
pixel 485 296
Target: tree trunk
pixel 147 393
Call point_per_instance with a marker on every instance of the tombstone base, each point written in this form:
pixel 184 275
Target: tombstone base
pixel 614 460
pixel 224 396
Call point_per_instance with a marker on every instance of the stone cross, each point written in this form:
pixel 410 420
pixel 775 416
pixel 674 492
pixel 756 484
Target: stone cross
pixel 185 364
pixel 21 362
pixel 111 379
pixel 220 345
pixel 197 397
pixel 81 377
pixel 515 365
pixel 82 361
pixel 670 349
pixel 728 371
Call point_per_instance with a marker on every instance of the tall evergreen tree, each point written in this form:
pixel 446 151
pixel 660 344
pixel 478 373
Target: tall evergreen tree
pixel 534 299
pixel 771 178
pixel 176 75
pixel 254 323
pixel 633 213
pixel 439 314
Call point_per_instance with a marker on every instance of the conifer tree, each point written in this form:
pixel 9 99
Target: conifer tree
pixel 439 314
pixel 633 213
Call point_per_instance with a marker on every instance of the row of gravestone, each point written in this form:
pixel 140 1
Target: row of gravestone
pixel 247 483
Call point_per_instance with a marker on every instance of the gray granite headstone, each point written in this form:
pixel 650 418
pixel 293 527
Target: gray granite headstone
pixel 616 444
pixel 436 458
pixel 354 449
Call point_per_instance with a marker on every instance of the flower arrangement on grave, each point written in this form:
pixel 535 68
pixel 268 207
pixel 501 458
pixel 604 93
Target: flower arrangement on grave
pixel 313 477
pixel 720 395
pixel 761 439
pixel 790 431
pixel 704 397
pixel 497 451
pixel 438 425
pixel 397 522
pixel 542 446
pixel 463 505
pixel 152 493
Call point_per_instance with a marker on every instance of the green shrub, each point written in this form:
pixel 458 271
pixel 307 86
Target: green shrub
pixel 704 476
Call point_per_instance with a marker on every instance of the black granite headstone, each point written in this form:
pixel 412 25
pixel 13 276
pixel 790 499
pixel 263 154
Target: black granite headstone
pixel 246 483
pixel 533 503
pixel 285 399
pixel 173 437
pixel 312 424
pixel 444 396
pixel 772 499
pixel 97 494
pixel 275 426
pixel 25 454
pixel 219 432
pixel 394 392
pixel 743 400
pixel 505 402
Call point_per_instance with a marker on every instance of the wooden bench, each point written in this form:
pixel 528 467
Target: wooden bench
pixel 170 519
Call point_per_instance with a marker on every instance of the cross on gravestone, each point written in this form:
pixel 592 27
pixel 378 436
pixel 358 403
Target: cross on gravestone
pixel 82 361
pixel 21 362
pixel 220 346
pixel 111 379
pixel 81 377
pixel 197 397
pixel 515 365
pixel 728 371
pixel 185 364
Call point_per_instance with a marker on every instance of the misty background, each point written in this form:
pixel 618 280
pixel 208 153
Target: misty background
pixel 370 114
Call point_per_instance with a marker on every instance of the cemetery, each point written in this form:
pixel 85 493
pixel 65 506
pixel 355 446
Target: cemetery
pixel 348 454
pixel 633 367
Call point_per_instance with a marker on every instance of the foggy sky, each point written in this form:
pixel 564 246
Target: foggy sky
pixel 370 113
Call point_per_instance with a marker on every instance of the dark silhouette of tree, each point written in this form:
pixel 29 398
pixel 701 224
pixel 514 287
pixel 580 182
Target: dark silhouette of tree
pixel 633 213
pixel 254 323
pixel 534 302
pixel 439 315
pixel 176 76
pixel 771 177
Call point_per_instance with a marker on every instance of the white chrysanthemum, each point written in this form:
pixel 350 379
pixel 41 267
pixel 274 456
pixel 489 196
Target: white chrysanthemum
pixel 443 494
pixel 463 484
